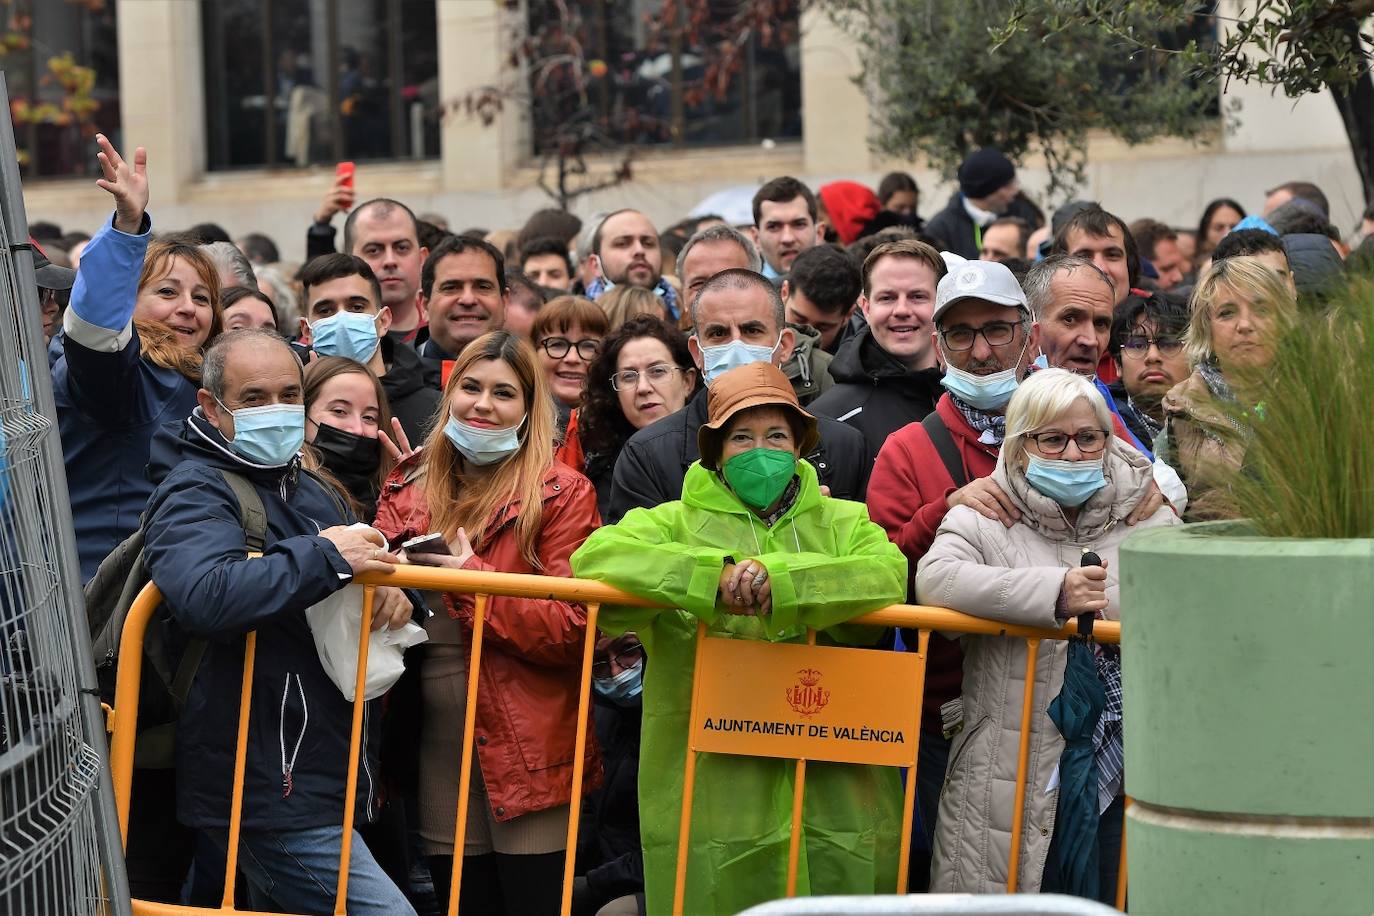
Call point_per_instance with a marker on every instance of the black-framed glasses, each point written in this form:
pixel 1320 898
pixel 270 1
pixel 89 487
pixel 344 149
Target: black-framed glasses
pixel 627 379
pixel 627 657
pixel 1087 440
pixel 1138 345
pixel 557 347
pixel 996 333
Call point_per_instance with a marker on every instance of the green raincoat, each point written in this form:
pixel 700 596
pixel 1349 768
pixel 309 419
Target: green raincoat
pixel 828 563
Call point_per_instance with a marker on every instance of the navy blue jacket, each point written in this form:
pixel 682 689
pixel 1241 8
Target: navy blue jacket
pixel 196 554
pixel 110 400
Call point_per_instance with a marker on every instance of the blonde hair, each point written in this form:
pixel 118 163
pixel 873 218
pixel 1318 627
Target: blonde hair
pixel 625 302
pixel 452 504
pixel 1044 397
pixel 1250 278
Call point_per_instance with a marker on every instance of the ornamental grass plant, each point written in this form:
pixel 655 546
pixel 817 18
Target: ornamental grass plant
pixel 1309 469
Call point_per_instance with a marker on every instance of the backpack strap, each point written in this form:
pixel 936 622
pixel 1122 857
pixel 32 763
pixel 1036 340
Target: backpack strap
pixel 251 511
pixel 948 451
pixel 254 519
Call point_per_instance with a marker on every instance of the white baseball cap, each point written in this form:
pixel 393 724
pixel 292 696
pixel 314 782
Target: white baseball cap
pixel 986 280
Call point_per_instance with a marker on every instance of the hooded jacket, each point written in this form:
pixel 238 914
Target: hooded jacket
pixel 807 367
pixel 110 400
pixel 1317 268
pixel 532 648
pixel 954 227
pixel 876 394
pixel 981 567
pixel 299 734
pixel 412 389
pixel 828 564
pixel 653 464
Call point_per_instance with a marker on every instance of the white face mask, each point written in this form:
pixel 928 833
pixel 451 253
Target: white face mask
pixel 716 361
pixel 483 446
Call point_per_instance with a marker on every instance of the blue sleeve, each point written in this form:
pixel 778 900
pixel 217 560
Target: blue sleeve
pixel 99 341
pixel 196 553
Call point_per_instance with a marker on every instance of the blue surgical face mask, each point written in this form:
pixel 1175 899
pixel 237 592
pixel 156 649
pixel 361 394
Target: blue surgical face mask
pixel 1069 483
pixel 984 392
pixel 624 688
pixel 716 361
pixel 269 435
pixel 483 446
pixel 352 335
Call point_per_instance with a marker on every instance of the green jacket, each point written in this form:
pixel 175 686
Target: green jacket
pixel 828 563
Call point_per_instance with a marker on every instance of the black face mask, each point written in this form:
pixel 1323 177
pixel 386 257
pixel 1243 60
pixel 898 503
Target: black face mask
pixel 353 459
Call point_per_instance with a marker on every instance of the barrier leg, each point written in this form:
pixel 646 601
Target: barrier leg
pixel 579 750
pixel 1022 759
pixel 127 683
pixel 689 775
pixel 231 859
pixel 460 829
pixel 355 751
pixel 909 804
pixel 1121 868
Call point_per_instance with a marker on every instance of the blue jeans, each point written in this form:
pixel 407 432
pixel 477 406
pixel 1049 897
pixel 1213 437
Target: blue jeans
pixel 298 871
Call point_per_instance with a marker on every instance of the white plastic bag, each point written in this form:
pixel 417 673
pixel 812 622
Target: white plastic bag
pixel 336 623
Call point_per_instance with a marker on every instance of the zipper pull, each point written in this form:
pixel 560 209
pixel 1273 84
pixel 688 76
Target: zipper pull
pixel 286 784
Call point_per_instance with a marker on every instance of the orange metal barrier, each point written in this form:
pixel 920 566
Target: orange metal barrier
pixel 124 717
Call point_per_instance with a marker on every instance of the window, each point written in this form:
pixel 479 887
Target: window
pixel 650 83
pixel 308 82
pixel 62 68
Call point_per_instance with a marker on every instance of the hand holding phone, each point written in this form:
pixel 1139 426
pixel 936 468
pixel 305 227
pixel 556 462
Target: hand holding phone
pixel 428 544
pixel 339 197
pixel 435 550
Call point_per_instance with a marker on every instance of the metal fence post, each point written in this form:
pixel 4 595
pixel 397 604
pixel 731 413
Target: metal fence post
pixel 59 834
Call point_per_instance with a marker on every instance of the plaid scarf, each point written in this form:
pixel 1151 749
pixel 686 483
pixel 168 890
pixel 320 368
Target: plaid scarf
pixel 1109 749
pixel 663 289
pixel 991 427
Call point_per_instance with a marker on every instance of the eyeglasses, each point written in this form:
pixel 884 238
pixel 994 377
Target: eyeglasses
pixel 627 657
pixel 627 379
pixel 1138 345
pixel 1088 441
pixel 558 347
pixel 996 333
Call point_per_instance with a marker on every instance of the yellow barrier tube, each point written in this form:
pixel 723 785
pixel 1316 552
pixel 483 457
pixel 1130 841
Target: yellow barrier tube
pixel 1018 813
pixel 909 805
pixel 460 828
pixel 689 775
pixel 579 751
pixel 125 716
pixel 798 794
pixel 231 860
pixel 356 749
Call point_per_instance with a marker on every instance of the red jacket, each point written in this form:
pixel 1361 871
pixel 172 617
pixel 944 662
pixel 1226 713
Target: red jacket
pixel 909 473
pixel 531 648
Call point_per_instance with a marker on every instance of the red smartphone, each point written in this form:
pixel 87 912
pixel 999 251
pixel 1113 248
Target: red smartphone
pixel 344 172
pixel 428 543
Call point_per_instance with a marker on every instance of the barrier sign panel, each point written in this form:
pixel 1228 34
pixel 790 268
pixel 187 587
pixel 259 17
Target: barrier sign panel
pixel 830 703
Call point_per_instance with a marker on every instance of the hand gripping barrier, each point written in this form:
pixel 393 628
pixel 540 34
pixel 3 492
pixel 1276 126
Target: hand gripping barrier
pixel 124 717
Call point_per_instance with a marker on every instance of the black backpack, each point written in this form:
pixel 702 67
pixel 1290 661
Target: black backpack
pixel 172 659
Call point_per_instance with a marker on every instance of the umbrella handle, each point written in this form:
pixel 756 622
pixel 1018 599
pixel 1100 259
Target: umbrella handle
pixel 1085 621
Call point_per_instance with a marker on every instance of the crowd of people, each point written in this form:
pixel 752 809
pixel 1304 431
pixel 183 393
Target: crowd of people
pixel 768 428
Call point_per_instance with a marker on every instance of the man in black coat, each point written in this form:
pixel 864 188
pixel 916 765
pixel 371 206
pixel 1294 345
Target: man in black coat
pixel 886 374
pixel 340 291
pixel 987 188
pixel 250 421
pixel 738 319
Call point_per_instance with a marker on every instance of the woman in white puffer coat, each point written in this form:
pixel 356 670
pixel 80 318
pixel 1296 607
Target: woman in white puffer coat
pixel 1074 483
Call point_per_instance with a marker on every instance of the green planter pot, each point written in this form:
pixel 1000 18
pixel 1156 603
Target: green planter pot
pixel 1249 711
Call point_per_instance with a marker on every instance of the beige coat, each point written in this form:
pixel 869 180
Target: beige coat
pixel 1014 575
pixel 1205 446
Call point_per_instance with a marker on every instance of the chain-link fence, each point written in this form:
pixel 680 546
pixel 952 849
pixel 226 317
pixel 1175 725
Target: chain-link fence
pixel 59 840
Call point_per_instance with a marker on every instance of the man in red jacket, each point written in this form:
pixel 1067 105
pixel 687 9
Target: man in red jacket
pixel 986 340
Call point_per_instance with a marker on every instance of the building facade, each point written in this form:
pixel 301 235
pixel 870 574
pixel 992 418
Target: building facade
pixel 231 98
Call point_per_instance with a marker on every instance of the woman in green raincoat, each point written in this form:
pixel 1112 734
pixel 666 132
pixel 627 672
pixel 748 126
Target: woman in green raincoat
pixel 757 552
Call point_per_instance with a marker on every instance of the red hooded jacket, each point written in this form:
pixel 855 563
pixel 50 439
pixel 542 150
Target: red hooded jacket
pixel 531 648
